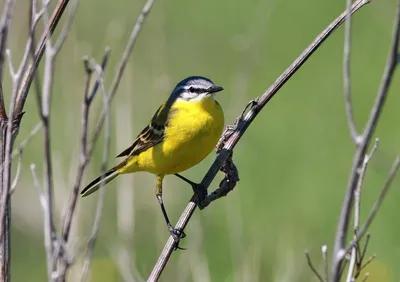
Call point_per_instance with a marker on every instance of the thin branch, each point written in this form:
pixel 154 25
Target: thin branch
pixel 27 140
pixel 30 72
pixel 84 157
pixel 83 161
pixel 4 27
pixel 29 46
pixel 367 263
pixel 375 113
pixel 44 112
pixel 67 27
pixel 357 204
pixel 36 182
pixel 364 251
pixel 324 250
pixel 365 277
pixel 106 150
pixel 346 75
pixel 124 60
pixel 377 204
pixel 313 269
pixel 17 173
pixel 241 128
pixel 44 105
pixel 10 65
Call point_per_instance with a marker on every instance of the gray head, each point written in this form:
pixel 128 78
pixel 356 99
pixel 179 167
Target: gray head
pixel 195 88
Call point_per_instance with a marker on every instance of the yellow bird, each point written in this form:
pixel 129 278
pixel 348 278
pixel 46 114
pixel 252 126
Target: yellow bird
pixel 182 132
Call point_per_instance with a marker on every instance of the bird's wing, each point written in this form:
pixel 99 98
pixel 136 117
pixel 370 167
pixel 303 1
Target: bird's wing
pixel 151 135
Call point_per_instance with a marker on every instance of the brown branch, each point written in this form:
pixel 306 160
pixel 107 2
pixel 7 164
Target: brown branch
pixel 31 71
pixel 241 128
pixel 4 27
pixel 359 155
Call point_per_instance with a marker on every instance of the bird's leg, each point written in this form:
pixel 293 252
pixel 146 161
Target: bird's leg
pixel 177 234
pixel 198 188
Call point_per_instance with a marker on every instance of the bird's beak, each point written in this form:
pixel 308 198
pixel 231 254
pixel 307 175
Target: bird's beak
pixel 215 88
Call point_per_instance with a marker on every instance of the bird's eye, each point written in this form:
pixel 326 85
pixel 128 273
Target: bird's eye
pixel 191 89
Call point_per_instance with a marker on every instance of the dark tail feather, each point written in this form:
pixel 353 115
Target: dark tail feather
pixel 95 184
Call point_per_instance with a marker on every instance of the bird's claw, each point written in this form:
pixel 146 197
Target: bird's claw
pixel 200 191
pixel 177 235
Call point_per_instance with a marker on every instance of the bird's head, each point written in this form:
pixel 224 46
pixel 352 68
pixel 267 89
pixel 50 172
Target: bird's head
pixel 195 88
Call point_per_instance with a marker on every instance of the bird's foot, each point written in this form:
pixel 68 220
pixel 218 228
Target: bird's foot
pixel 177 234
pixel 198 189
pixel 201 193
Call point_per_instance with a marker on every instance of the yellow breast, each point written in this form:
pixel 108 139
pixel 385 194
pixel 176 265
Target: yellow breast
pixel 190 135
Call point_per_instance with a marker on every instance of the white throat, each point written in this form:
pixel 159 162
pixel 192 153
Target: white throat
pixel 190 97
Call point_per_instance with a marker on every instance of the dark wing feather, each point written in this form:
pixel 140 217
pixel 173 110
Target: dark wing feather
pixel 151 135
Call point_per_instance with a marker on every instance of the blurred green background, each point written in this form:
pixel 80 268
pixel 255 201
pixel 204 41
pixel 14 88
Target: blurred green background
pixel 294 160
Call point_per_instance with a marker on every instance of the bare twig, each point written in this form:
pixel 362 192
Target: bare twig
pixel 377 204
pixel 44 105
pixel 313 269
pixel 4 26
pixel 357 204
pixel 96 223
pixel 83 161
pixel 366 276
pixel 17 173
pixel 369 129
pixel 84 157
pixel 346 75
pixel 30 73
pixel 124 60
pixel 27 140
pixel 364 251
pixel 36 182
pixel 44 112
pixel 324 250
pixel 241 128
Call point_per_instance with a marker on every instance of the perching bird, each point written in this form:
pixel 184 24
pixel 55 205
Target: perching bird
pixel 182 132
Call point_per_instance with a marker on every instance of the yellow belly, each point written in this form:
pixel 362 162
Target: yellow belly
pixel 191 134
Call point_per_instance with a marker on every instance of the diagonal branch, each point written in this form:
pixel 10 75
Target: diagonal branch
pixel 241 128
pixel 30 73
pixel 124 60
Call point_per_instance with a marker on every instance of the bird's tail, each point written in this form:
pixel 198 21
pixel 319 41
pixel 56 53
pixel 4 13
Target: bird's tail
pixel 95 184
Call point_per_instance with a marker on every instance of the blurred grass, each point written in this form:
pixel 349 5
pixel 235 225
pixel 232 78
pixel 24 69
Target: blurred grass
pixel 294 160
